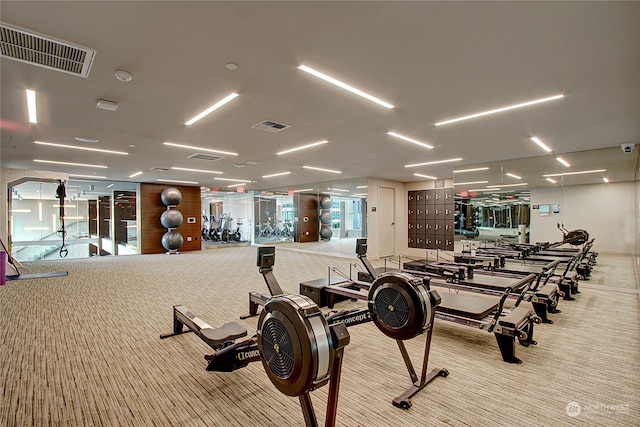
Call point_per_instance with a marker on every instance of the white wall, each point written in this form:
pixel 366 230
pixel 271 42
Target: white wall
pixel 373 184
pixel 607 211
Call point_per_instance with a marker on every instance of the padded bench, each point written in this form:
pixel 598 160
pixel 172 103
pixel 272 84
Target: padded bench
pixel 466 305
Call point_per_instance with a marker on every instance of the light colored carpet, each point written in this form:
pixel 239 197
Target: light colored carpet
pixel 84 350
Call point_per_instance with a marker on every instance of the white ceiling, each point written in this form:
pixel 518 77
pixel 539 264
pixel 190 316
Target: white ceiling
pixel 432 60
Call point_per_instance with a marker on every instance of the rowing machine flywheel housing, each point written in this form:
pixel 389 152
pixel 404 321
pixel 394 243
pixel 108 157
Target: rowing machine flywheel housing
pixel 295 344
pixel 400 306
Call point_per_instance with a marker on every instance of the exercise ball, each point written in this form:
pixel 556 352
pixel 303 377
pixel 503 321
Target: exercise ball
pixel 172 240
pixel 325 202
pixel 171 218
pixel 326 233
pixel 171 196
pixel 325 217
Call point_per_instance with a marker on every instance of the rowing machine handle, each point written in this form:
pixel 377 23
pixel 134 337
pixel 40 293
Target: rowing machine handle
pixel 503 298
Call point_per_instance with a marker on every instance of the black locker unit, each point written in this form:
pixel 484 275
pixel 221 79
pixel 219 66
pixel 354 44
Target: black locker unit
pixel 430 219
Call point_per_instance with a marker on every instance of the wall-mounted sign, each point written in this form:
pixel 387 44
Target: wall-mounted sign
pixel 544 210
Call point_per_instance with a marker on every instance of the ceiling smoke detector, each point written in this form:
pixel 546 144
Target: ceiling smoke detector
pixel 123 76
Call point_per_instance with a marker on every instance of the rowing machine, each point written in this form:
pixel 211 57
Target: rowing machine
pixel 401 306
pixel 300 351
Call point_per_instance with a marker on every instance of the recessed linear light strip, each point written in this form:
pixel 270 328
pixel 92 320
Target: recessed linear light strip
pixel 233 180
pixel 470 183
pixel 471 170
pixel 133 175
pixel 242 184
pixel 513 176
pixel 87 176
pixel 500 110
pixel 361 186
pixel 563 161
pixel 605 179
pixel 574 173
pixel 192 147
pixel 195 170
pixel 31 106
pixel 50 144
pixel 338 189
pixel 344 86
pixel 507 185
pixel 177 181
pixel 541 144
pixel 276 174
pixel 551 180
pixel 301 147
pixel 320 169
pixel 433 163
pixel 425 176
pixel 304 189
pixel 212 108
pixel 405 138
pixel 70 164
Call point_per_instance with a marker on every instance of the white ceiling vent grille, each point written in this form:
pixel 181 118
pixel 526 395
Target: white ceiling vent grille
pixel 270 126
pixel 43 51
pixel 203 156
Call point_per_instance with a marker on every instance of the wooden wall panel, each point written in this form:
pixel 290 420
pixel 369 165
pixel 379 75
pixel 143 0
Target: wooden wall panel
pixel 93 217
pixel 307 207
pixel 151 207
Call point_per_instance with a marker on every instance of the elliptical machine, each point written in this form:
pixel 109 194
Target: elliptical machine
pixel 575 237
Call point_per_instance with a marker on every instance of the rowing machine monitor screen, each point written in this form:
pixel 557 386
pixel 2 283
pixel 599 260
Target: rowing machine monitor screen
pixel 361 247
pixel 266 256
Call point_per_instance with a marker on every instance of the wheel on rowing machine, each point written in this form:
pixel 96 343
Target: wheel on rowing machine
pixel 295 344
pixel 522 335
pixel 399 305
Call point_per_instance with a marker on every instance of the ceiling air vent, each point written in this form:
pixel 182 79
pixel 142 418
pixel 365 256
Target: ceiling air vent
pixel 44 51
pixel 269 126
pixel 203 156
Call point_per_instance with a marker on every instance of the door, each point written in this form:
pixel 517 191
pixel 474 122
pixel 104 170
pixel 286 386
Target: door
pixel 387 221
